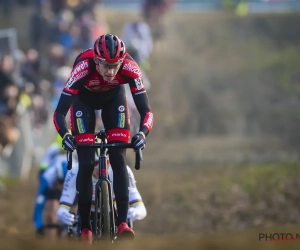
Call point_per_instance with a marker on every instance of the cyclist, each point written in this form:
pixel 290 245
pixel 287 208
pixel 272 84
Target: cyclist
pixel 137 210
pixel 97 82
pixel 50 184
pixel 49 190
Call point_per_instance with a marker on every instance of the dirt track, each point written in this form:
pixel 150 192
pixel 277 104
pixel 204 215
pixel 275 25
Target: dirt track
pixel 163 228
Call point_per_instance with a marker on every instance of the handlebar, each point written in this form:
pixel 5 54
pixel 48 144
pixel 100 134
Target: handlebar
pixel 138 154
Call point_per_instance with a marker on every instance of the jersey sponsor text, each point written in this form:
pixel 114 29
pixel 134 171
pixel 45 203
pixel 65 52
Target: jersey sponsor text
pixel 148 122
pixel 131 67
pixel 78 72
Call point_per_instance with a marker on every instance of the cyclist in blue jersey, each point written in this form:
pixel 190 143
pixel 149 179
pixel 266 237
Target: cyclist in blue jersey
pixel 51 177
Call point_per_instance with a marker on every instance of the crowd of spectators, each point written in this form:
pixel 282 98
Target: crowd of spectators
pixel 33 79
pixel 22 87
pixel 59 30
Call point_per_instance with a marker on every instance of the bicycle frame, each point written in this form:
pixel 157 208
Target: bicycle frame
pixel 103 177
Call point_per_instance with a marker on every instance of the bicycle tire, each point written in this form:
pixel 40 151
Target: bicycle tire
pixel 105 209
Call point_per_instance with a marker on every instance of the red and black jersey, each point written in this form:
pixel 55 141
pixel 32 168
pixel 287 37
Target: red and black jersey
pixel 85 81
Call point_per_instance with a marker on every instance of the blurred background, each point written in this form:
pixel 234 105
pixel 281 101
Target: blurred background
pixel 224 85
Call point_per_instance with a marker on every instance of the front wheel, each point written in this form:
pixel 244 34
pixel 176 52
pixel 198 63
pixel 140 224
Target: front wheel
pixel 105 211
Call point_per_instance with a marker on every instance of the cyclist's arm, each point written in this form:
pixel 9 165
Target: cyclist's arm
pixel 61 110
pixel 135 199
pixel 142 104
pixel 69 190
pixel 67 198
pixel 140 97
pixel 76 80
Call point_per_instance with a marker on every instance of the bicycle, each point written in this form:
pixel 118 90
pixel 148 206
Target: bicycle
pixel 103 221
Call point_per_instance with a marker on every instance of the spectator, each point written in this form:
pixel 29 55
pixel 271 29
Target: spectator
pixel 154 12
pixel 5 80
pixel 30 68
pixel 8 90
pixel 137 37
pixel 56 58
pixel 6 7
pixel 9 98
pixel 40 24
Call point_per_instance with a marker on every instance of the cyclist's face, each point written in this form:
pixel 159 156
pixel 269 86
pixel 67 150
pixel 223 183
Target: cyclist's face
pixel 108 71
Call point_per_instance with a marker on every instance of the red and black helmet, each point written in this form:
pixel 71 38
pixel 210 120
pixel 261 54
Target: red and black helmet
pixel 109 48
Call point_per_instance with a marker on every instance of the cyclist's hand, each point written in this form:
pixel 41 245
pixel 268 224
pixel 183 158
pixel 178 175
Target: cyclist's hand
pixel 69 143
pixel 138 141
pixel 132 214
pixel 65 216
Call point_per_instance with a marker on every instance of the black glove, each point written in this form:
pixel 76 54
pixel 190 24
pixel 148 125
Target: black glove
pixel 69 143
pixel 138 142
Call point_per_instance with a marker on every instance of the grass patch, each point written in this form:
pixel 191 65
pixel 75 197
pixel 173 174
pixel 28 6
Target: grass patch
pixel 267 176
